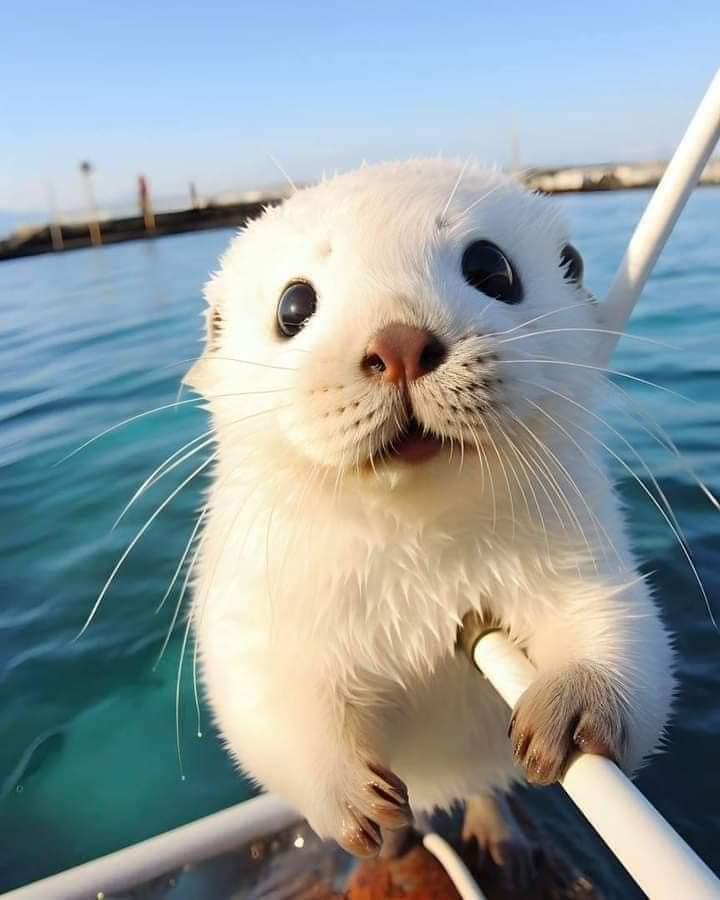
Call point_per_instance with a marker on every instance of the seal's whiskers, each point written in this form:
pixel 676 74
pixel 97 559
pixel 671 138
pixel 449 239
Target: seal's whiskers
pixel 661 504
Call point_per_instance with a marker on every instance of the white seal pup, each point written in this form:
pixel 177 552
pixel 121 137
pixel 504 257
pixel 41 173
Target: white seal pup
pixel 400 367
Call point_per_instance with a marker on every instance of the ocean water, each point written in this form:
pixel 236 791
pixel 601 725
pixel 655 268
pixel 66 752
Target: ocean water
pixel 88 758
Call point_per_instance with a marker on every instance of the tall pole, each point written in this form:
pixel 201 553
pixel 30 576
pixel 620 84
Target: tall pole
pixel 515 152
pixel 86 169
pixel 146 207
pixel 56 237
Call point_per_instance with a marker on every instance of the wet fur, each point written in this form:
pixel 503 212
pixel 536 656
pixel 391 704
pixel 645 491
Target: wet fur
pixel 330 582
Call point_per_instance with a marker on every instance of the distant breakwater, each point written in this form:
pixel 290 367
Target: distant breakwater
pixel 607 177
pixel 74 235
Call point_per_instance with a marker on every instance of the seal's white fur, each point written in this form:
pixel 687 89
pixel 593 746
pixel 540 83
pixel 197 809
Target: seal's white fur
pixel 328 593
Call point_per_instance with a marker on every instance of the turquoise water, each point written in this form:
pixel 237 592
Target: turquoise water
pixel 88 761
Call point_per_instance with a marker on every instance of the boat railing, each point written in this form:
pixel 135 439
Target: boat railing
pixel 653 854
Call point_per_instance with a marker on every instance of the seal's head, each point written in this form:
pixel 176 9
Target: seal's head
pixel 391 317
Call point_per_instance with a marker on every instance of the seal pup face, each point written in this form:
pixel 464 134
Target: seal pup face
pixel 391 316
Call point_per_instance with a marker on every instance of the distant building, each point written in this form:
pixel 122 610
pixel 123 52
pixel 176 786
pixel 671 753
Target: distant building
pixel 607 177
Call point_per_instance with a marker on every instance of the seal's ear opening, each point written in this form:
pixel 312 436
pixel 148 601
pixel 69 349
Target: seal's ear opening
pixel 198 378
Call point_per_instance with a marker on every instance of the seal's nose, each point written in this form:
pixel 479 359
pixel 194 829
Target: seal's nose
pixel 402 353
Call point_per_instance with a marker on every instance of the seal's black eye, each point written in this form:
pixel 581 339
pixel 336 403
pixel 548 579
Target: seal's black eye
pixel 486 268
pixel 572 263
pixel 297 303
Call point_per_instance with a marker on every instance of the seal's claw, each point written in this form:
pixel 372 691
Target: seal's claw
pixel 387 799
pixel 359 835
pixel 559 715
pixel 379 800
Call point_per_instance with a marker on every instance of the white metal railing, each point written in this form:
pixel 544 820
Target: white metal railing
pixel 661 213
pixel 128 868
pixel 656 857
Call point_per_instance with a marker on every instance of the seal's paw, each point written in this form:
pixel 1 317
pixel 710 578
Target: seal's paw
pixel 491 825
pixel 379 801
pixel 578 709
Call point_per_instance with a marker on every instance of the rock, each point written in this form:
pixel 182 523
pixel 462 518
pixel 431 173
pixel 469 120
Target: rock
pixel 416 875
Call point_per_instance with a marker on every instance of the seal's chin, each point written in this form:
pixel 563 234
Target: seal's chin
pixel 413 445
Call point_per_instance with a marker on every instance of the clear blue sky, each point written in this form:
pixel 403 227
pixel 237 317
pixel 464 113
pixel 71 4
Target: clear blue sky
pixel 210 91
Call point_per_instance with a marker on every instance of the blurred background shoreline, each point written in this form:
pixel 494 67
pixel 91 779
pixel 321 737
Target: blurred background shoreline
pixel 110 224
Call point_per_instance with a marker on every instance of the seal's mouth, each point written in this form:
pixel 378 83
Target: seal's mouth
pixel 414 444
